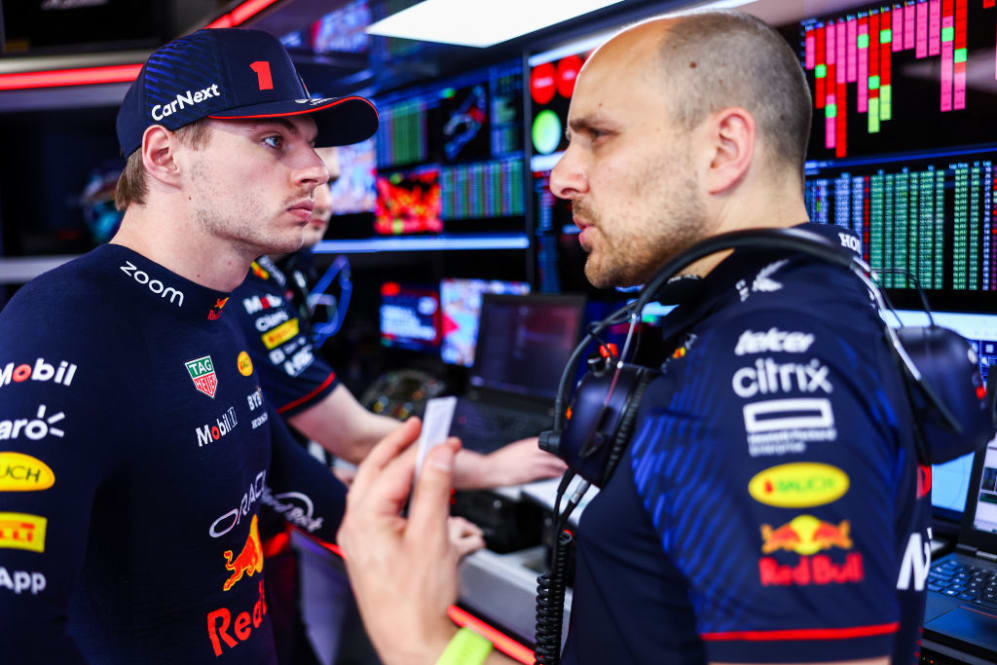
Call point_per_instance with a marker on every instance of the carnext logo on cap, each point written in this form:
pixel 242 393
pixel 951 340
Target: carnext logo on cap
pixel 189 98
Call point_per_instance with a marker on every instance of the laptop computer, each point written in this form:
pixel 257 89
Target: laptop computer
pixel 523 344
pixel 961 610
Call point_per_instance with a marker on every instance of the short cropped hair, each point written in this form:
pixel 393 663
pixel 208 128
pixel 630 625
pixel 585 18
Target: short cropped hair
pixel 132 186
pixel 721 59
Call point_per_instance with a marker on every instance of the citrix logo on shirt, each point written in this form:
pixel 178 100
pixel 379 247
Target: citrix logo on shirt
pixel 268 321
pixel 36 428
pixel 40 371
pixel 768 377
pixel 154 285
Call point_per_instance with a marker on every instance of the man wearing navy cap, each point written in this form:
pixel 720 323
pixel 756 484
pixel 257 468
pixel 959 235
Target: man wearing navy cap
pixel 135 445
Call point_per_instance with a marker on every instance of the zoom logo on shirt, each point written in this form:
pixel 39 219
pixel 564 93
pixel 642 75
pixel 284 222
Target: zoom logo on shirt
pixel 154 285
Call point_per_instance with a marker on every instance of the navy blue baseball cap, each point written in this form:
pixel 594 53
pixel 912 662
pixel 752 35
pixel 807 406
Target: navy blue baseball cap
pixel 231 73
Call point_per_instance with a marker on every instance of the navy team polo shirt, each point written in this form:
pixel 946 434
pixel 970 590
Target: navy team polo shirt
pixel 769 507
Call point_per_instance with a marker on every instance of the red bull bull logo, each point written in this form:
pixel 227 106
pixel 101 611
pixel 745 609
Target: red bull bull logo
pixel 250 559
pixel 806 535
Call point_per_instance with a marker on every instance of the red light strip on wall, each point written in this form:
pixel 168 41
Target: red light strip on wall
pixel 55 78
pixel 500 640
pixel 64 77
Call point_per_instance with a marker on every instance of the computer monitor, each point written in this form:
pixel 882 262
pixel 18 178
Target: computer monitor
pixel 466 129
pixel 410 316
pixel 408 202
pixel 902 149
pixel 461 302
pixel 525 341
pixel 354 191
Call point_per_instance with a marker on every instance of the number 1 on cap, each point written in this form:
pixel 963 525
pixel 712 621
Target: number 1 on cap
pixel 262 69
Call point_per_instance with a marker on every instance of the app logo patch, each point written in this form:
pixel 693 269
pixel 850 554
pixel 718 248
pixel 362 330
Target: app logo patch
pixel 202 373
pixel 244 364
pixel 22 581
pixel 22 531
pixel 250 559
pixel 281 334
pixel 799 485
pixel 24 473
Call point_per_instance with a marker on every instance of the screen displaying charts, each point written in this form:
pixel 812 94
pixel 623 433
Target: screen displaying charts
pixel 450 156
pixel 902 150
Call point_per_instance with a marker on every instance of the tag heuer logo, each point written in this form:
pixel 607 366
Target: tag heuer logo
pixel 202 373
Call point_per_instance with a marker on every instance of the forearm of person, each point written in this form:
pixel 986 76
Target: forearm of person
pixel 341 425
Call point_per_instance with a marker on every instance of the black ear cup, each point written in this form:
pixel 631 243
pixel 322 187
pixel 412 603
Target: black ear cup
pixel 627 421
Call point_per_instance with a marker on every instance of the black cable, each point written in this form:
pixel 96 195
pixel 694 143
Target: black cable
pixel 550 602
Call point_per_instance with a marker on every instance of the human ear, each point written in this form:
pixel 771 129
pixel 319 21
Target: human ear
pixel 159 156
pixel 731 133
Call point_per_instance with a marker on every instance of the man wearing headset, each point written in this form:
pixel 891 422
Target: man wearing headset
pixel 769 508
pixel 271 308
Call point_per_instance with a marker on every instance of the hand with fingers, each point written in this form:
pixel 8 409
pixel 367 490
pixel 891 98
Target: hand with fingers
pixel 465 536
pixel 403 570
pixel 520 462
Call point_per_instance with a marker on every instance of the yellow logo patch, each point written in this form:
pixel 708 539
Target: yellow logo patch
pixel 282 333
pixel 24 473
pixel 799 485
pixel 21 531
pixel 244 364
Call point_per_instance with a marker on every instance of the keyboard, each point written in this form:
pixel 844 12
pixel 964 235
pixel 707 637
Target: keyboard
pixel 958 579
pixel 487 427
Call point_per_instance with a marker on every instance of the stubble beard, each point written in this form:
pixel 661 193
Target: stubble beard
pixel 246 225
pixel 638 247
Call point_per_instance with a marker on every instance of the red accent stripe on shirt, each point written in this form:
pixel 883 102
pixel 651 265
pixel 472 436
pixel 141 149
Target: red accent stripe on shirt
pixel 804 633
pixel 310 396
